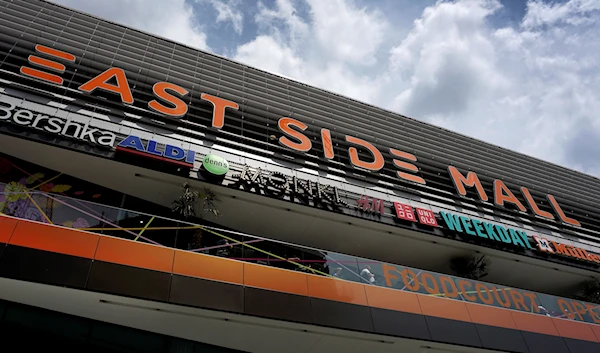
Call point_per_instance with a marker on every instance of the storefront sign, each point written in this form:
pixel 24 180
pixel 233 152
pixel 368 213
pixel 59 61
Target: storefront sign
pixel 454 288
pixel 371 205
pixel 279 185
pixel 214 164
pixel 374 206
pixel 169 103
pixel 171 154
pixel 565 250
pixel 406 212
pixel 11 113
pixel 497 233
pixel 494 232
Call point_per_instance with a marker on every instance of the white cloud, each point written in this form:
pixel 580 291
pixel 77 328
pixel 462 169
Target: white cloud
pixel 573 12
pixel 271 19
pixel 287 47
pixel 228 11
pixel 531 87
pixel 173 19
pixel 348 33
pixel 268 54
pixel 271 55
pixel 449 60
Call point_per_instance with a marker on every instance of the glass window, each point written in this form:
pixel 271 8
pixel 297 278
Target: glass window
pixel 343 267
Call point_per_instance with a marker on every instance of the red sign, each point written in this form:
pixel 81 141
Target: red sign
pixel 427 217
pixel 404 211
pixel 371 205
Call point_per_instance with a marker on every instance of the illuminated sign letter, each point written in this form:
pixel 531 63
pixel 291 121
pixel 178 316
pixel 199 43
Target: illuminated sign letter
pixel 543 244
pixel 327 144
pixel 471 180
pixel 426 217
pixel 132 142
pixel 219 106
pixel 502 194
pixel 452 221
pixel 371 205
pixel 285 125
pixel 404 211
pixel 174 152
pixel 534 206
pixel 406 166
pixel 374 166
pixel 100 81
pixel 179 108
pixel 560 248
pixel 561 213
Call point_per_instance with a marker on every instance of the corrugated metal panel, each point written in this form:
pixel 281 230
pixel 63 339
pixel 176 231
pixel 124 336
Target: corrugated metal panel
pixel 264 98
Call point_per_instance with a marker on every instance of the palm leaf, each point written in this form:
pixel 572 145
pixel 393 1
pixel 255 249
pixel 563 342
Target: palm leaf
pixel 34 177
pixel 470 267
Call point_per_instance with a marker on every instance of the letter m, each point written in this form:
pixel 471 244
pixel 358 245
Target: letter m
pixel 471 180
pixel 560 248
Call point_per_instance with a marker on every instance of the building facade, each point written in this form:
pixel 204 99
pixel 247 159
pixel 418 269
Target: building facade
pixel 320 223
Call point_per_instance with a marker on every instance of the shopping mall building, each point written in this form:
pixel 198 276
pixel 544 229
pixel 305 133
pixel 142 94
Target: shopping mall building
pixel 317 223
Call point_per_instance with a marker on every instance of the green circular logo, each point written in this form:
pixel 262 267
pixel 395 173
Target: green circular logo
pixel 215 165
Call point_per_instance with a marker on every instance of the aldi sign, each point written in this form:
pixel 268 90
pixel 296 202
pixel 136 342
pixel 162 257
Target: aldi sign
pixel 170 153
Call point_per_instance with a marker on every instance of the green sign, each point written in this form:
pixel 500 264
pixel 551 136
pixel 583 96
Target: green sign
pixel 494 232
pixel 215 164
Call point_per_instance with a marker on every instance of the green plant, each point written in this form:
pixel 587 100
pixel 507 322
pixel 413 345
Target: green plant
pixel 471 267
pixel 187 204
pixel 590 291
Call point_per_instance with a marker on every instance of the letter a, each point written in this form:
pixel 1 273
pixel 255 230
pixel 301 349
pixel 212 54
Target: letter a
pixel 100 81
pixel 132 142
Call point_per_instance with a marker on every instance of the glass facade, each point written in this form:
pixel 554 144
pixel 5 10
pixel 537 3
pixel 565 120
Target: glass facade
pixel 72 203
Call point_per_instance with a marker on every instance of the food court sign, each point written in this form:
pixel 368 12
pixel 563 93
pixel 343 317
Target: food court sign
pixel 429 283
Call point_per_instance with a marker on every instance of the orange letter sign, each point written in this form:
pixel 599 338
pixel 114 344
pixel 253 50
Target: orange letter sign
pixel 533 205
pixel 406 166
pixel 179 108
pixel 503 194
pixel 219 106
pixel 327 143
pixel 285 125
pixel 100 81
pixel 378 161
pixel 561 213
pixel 471 181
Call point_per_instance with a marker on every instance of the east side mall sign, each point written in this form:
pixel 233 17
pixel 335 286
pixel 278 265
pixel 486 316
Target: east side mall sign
pixel 169 103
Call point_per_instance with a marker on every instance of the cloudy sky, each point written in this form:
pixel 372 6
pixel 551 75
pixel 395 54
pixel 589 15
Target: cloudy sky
pixel 522 74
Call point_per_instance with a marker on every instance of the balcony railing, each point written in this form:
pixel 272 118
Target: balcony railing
pixel 64 211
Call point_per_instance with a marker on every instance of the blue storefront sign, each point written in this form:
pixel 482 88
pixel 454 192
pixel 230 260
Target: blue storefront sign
pixel 172 154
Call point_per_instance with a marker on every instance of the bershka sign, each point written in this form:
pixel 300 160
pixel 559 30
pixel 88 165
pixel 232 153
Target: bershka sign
pixel 24 117
pixel 169 103
pixel 279 185
pixel 519 238
pixel 172 154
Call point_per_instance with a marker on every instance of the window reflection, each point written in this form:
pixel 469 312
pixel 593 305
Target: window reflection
pixel 69 202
